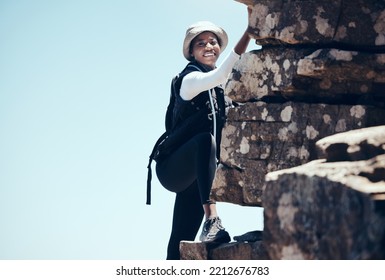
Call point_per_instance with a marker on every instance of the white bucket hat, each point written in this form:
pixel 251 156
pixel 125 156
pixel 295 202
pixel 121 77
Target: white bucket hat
pixel 198 28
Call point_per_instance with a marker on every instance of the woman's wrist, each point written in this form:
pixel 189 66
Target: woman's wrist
pixel 241 46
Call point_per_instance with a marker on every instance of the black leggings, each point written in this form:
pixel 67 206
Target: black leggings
pixel 189 172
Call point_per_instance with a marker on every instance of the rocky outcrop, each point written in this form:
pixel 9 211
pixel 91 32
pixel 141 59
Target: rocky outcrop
pixel 262 137
pixel 355 145
pixel 298 142
pixel 231 251
pixel 330 208
pixel 355 23
pixel 317 74
pixel 309 74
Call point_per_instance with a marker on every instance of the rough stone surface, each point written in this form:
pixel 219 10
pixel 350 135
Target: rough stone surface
pixel 326 210
pixel 228 251
pixel 358 23
pixel 263 137
pixel 353 145
pixel 190 250
pixel 250 236
pixel 309 75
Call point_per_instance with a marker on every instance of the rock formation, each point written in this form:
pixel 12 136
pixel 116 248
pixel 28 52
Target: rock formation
pixel 320 72
pixel 333 208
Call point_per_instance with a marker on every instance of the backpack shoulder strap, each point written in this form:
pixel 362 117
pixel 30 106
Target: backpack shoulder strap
pixel 149 171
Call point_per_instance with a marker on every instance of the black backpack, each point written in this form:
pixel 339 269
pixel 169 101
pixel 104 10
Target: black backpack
pixel 169 125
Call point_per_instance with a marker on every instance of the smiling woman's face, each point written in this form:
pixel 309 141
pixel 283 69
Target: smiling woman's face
pixel 205 48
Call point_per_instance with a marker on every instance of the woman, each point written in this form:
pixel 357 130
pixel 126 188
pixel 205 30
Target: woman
pixel 190 169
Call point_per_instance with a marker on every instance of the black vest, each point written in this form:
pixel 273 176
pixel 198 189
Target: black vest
pixel 195 116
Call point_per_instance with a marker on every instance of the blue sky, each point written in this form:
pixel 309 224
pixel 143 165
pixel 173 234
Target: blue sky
pixel 84 87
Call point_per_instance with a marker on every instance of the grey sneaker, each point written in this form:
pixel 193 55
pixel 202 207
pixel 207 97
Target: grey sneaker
pixel 213 231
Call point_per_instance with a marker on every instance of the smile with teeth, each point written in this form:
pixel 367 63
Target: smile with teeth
pixel 207 54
